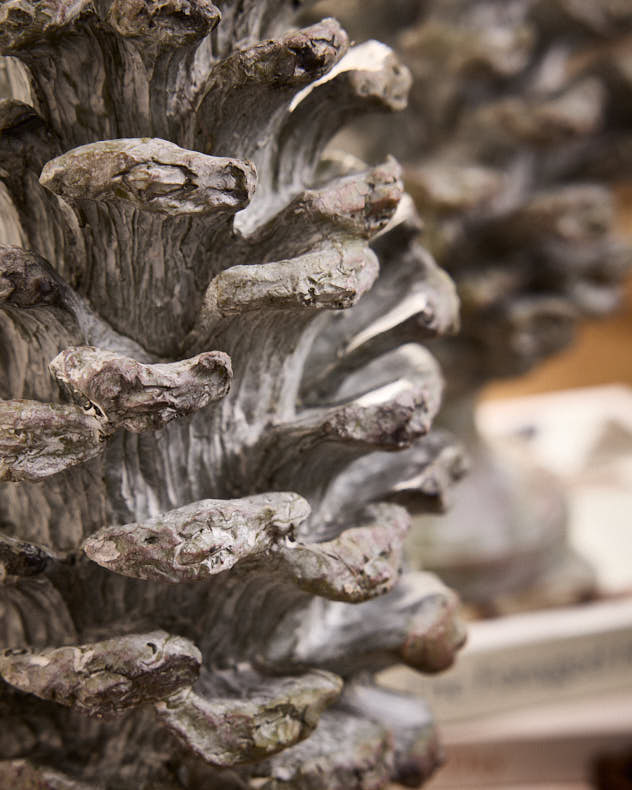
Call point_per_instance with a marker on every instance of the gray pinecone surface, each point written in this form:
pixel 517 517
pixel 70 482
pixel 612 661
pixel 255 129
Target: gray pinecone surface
pixel 214 404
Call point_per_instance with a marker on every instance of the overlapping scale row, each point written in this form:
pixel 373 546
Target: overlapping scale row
pixel 214 405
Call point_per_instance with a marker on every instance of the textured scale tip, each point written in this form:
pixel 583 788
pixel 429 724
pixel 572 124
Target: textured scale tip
pixel 105 677
pixel 38 440
pixel 152 175
pixel 200 539
pixel 164 23
pixel 138 397
pixel 241 717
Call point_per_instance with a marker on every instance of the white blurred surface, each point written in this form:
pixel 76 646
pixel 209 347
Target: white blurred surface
pixel 539 738
pixel 584 437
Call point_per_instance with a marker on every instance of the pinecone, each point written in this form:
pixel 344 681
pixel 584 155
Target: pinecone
pixel 202 528
pixel 519 120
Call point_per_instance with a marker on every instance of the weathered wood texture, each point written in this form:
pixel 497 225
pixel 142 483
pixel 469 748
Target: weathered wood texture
pixel 214 406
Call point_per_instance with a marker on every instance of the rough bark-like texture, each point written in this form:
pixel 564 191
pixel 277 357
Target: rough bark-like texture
pixel 108 676
pixel 518 125
pixel 213 407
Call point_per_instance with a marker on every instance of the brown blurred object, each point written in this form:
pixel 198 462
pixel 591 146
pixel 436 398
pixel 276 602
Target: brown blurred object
pixel 601 353
pixel 614 772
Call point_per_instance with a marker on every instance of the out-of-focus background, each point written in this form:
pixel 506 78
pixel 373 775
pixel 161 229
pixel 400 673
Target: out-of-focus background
pixel 602 352
pixel 543 698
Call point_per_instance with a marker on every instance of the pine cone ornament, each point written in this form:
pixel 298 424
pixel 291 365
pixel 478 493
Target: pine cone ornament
pixel 214 407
